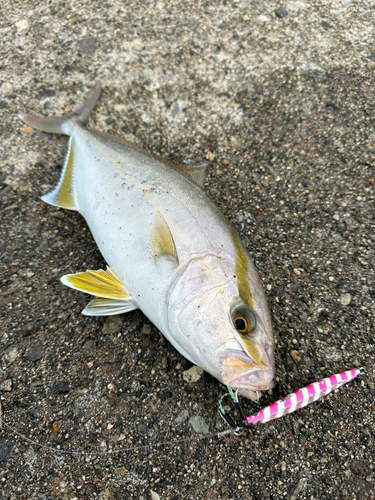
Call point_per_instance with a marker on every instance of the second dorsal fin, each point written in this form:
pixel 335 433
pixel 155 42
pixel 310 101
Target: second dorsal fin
pixel 195 174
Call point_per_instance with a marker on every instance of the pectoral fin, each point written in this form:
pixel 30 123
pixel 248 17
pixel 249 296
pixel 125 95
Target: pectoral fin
pixel 161 239
pixel 111 298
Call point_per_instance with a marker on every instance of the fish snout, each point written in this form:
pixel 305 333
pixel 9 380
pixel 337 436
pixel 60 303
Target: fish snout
pixel 249 376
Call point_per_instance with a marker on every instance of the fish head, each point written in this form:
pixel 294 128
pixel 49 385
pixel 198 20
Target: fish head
pixel 215 327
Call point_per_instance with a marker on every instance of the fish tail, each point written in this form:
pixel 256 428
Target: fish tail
pixel 61 125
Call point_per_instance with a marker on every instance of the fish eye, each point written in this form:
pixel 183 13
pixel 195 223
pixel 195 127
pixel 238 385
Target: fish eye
pixel 244 321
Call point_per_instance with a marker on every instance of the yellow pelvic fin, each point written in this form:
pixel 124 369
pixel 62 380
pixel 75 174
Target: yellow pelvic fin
pixel 104 284
pixel 161 239
pixel 63 194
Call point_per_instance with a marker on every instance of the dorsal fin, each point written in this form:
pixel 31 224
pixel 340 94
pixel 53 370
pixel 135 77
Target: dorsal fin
pixel 63 194
pixel 161 239
pixel 195 174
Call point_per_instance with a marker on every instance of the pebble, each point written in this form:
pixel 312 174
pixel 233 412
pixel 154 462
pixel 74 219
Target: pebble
pixel 112 325
pixel 193 374
pixel 6 385
pixel 120 470
pixel 6 88
pixel 23 24
pixel 10 354
pixel 296 490
pixel 199 425
pixel 295 355
pixel 297 272
pixel 89 348
pixel 29 455
pixel 281 13
pixel 60 387
pixel 332 354
pixel 181 417
pixel 345 299
pixel 154 495
pixel 146 329
pixel 6 446
pixel 88 45
pixel 336 217
pixel 36 352
pixel 295 6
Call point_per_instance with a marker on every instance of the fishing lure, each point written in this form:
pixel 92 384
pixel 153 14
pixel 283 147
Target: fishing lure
pixel 287 404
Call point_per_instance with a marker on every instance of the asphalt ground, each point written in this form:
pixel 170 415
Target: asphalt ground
pixel 278 100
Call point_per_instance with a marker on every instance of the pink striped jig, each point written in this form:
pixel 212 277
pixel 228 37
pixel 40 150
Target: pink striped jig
pixel 303 397
pixel 287 404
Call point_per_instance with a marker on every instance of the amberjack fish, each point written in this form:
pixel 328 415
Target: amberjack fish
pixel 169 250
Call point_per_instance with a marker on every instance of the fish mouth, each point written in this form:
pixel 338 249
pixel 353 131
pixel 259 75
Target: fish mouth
pixel 241 372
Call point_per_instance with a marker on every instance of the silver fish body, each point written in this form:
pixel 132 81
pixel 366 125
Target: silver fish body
pixel 170 251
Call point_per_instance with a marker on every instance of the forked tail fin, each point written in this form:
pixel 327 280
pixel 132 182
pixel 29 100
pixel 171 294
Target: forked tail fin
pixel 64 195
pixel 60 125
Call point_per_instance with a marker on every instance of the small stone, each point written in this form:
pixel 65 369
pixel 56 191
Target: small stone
pixel 295 355
pixel 332 354
pixel 23 24
pixel 142 429
pixel 178 366
pixel 36 352
pixel 10 354
pixel 146 329
pixel 296 490
pixel 3 104
pixel 281 13
pixel 56 427
pixel 193 374
pixel 325 25
pixel 45 94
pixel 345 299
pixel 336 216
pixel 6 88
pixel 332 105
pixel 120 470
pixel 297 272
pixel 164 362
pixel 112 325
pixel 199 425
pixel 88 45
pixel 89 348
pixel 181 418
pixel 295 6
pixel 6 446
pixel 282 444
pixel 6 385
pixel 210 156
pixel 154 495
pixel 29 455
pixel 175 110
pixel 60 388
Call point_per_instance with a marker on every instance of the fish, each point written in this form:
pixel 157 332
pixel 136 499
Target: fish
pixel 169 250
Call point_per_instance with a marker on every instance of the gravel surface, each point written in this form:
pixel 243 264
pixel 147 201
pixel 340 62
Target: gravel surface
pixel 278 100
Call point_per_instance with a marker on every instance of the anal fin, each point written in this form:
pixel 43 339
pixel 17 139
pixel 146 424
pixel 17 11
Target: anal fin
pixel 63 194
pixel 108 307
pixel 111 297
